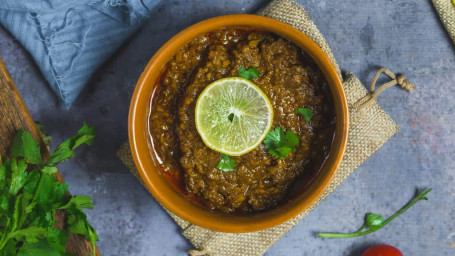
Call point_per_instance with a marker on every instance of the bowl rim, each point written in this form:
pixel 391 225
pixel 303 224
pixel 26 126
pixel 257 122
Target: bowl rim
pixel 177 203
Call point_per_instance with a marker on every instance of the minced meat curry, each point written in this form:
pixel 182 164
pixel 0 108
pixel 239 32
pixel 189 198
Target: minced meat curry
pixel 288 77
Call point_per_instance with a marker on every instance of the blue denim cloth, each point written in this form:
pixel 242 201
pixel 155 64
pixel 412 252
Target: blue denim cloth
pixel 70 39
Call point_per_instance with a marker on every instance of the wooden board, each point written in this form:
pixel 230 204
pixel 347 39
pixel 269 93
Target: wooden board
pixel 14 115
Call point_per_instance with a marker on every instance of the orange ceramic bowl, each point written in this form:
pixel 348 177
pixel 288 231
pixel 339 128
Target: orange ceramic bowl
pixel 175 201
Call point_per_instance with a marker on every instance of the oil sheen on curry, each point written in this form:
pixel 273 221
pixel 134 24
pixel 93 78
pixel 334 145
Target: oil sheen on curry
pixel 287 76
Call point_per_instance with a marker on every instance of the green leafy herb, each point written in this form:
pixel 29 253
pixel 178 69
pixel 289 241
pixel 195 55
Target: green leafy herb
pixel 24 145
pixel 279 143
pixel 231 117
pixel 30 196
pixel 39 248
pixel 373 221
pixel 46 139
pixel 66 150
pixel 249 74
pixel 226 163
pixel 307 113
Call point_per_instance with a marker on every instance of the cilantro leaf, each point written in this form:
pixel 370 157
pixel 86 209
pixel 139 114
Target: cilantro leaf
pixel 56 239
pixel 79 202
pixel 231 117
pixel 307 113
pixel 77 223
pixel 66 149
pixel 249 74
pixel 49 170
pixel 30 234
pixel 24 145
pixel 46 139
pixel 31 181
pixel 279 143
pixel 226 163
pixel 52 193
pixel 18 175
pixel 40 248
pixel 29 200
pixel 20 214
pixel 374 221
pixel 4 203
pixel 2 175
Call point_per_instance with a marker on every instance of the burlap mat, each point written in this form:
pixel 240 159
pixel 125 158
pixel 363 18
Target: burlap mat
pixel 370 128
pixel 446 11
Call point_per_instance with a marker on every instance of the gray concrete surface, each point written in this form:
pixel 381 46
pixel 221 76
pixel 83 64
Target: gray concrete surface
pixel 405 36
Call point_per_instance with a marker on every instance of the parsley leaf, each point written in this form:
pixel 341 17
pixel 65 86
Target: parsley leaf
pixel 66 149
pixel 78 224
pixel 49 170
pixel 2 175
pixel 79 202
pixel 52 193
pixel 29 199
pixel 249 74
pixel 307 113
pixel 30 234
pixel 40 248
pixel 56 239
pixel 46 139
pixel 279 143
pixel 24 145
pixel 373 221
pixel 231 117
pixel 226 163
pixel 18 175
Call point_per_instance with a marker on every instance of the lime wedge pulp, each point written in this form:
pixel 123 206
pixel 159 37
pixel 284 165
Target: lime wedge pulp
pixel 233 116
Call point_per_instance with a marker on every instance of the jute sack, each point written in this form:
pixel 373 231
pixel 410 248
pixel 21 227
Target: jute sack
pixel 370 128
pixel 446 11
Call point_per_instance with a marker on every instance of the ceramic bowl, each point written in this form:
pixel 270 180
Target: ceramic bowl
pixel 176 201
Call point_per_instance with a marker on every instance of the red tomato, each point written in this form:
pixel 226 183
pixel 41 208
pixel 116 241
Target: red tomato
pixel 382 250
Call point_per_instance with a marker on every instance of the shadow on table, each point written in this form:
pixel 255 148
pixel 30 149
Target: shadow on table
pixel 358 249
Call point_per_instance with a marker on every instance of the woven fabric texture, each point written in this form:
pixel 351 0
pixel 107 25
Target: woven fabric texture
pixel 446 11
pixel 370 128
pixel 69 40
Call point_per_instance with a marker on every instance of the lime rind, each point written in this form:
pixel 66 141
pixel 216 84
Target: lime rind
pixel 252 116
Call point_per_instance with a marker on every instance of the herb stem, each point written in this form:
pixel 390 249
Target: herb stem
pixel 359 232
pixel 4 239
pixel 40 181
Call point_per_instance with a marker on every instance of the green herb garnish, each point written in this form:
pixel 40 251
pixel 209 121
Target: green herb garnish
pixel 249 74
pixel 374 222
pixel 279 143
pixel 46 139
pixel 307 113
pixel 231 117
pixel 226 163
pixel 30 196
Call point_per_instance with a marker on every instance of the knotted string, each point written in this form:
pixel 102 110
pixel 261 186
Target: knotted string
pixel 373 95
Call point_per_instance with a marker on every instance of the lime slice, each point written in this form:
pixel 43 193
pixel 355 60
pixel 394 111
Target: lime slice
pixel 233 116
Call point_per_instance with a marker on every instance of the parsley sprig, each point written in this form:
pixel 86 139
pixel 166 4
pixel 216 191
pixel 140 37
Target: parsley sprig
pixel 374 222
pixel 249 74
pixel 226 163
pixel 279 143
pixel 30 196
pixel 307 113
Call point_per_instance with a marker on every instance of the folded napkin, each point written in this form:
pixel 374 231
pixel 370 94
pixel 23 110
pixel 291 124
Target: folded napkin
pixel 370 128
pixel 446 11
pixel 69 40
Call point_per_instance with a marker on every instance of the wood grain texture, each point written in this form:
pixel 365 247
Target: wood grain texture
pixel 13 116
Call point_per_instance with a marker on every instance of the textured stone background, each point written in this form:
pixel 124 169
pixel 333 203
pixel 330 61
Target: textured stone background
pixel 405 36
